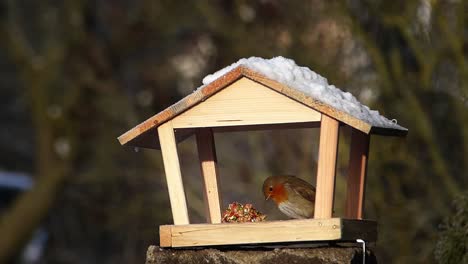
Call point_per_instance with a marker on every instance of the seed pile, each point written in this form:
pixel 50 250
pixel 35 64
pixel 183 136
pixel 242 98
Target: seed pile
pixel 239 213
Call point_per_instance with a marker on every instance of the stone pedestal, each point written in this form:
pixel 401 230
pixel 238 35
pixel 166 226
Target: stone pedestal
pixel 317 255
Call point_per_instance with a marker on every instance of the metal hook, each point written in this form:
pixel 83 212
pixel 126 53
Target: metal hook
pixel 363 249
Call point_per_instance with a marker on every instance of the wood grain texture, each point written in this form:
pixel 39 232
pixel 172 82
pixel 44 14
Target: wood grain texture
pixel 357 169
pixel 130 137
pixel 207 156
pixel 165 236
pixel 266 127
pixel 309 101
pixel 187 102
pixel 245 102
pixel 332 229
pixel 328 147
pixel 173 175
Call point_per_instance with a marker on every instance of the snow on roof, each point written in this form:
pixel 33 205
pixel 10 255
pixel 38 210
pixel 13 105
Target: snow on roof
pixel 287 72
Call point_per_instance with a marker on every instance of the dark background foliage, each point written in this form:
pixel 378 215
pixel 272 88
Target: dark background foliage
pixel 77 74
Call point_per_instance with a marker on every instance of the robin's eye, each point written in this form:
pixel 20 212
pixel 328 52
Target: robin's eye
pixel 271 189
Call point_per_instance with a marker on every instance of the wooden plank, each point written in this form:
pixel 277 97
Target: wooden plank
pixel 245 102
pixel 173 174
pixel 356 181
pixel 207 156
pixel 263 232
pixel 328 148
pixel 229 129
pixel 165 236
pixel 304 230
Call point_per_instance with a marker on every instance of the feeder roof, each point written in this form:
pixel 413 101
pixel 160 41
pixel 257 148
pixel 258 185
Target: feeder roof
pixel 284 76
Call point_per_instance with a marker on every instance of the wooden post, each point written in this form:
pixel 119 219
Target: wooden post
pixel 173 175
pixel 357 174
pixel 328 148
pixel 207 156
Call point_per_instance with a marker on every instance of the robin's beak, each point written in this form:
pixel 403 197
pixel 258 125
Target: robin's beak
pixel 268 197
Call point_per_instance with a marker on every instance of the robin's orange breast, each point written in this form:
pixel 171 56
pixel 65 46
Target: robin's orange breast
pixel 279 194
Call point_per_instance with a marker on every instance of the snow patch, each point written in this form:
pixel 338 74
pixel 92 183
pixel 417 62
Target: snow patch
pixel 287 72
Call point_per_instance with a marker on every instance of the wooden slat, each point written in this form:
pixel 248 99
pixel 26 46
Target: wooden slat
pixel 357 174
pixel 165 236
pixel 328 148
pixel 332 229
pixel 245 102
pixel 229 129
pixel 207 156
pixel 173 174
pixel 265 232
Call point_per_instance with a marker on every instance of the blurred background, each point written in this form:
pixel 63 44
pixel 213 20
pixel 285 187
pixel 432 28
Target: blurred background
pixel 75 75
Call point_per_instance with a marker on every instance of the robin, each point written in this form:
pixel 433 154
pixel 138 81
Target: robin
pixel 293 196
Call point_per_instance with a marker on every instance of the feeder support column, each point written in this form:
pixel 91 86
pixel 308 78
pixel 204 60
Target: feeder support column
pixel 357 174
pixel 173 175
pixel 328 148
pixel 207 156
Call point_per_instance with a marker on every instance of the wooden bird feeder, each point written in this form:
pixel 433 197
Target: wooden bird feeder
pixel 246 99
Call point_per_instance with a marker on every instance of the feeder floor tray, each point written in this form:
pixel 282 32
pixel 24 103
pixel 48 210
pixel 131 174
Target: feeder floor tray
pixel 304 230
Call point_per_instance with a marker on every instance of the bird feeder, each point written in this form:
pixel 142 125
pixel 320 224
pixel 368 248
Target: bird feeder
pixel 257 94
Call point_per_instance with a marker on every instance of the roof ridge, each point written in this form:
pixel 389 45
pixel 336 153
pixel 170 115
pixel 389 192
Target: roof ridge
pixel 205 91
